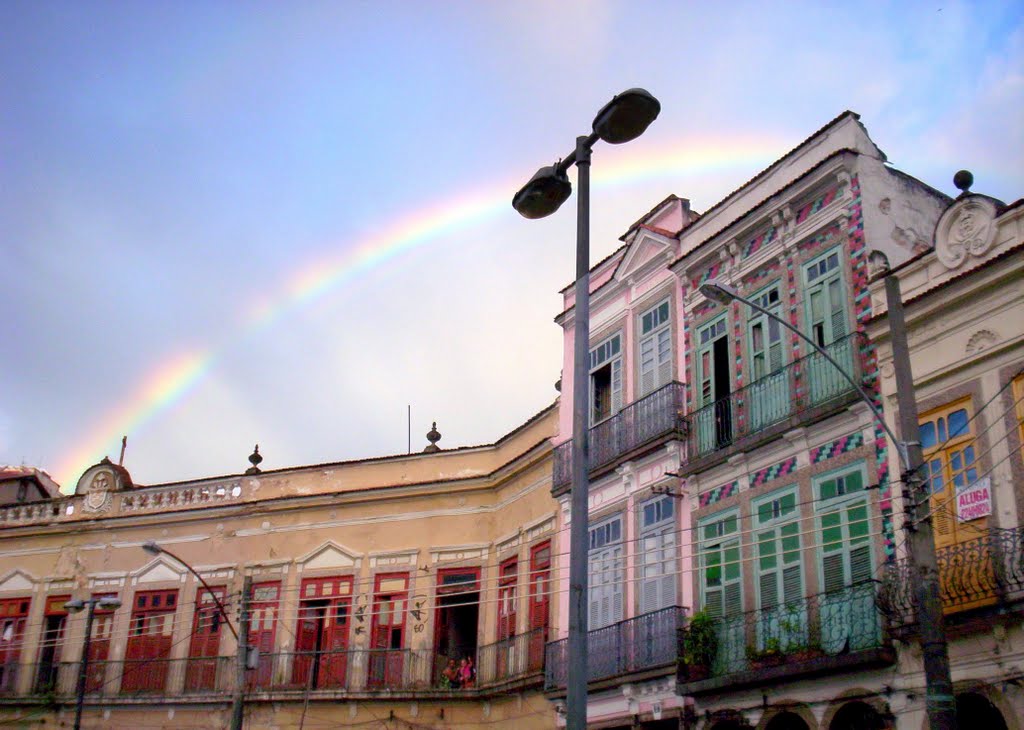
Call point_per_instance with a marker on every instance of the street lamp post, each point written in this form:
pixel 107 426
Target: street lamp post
pixel 75 605
pixel 238 697
pixel 939 700
pixel 622 119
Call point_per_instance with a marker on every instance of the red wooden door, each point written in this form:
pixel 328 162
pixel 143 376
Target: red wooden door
pixel 99 646
pixel 322 633
pixel 13 617
pixel 506 617
pixel 51 643
pixel 148 653
pixel 204 647
pixel 540 602
pixel 263 607
pixel 334 660
pixel 387 633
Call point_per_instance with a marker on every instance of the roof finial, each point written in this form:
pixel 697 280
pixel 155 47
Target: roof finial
pixel 963 181
pixel 433 436
pixel 254 459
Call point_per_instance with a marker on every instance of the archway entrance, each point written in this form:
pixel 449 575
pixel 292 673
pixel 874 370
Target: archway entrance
pixel 786 721
pixel 857 716
pixel 974 709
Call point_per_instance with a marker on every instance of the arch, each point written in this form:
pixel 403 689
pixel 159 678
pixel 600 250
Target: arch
pixel 976 709
pixel 857 716
pixel 786 720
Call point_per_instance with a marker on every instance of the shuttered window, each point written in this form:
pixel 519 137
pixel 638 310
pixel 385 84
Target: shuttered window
pixel 826 303
pixel 607 573
pixel 721 573
pixel 765 341
pixel 658 554
pixel 779 560
pixel 655 348
pixel 845 527
pixel 606 379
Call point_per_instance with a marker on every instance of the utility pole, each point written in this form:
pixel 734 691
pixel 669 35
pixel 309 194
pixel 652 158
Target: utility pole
pixel 238 702
pixel 939 700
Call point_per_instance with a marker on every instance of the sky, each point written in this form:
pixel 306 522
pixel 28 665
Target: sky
pixel 227 223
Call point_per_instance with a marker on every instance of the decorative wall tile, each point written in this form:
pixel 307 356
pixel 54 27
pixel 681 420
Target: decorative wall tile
pixel 775 471
pixel 718 493
pixel 837 447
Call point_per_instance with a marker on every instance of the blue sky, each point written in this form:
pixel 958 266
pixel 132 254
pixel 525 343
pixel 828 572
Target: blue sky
pixel 167 168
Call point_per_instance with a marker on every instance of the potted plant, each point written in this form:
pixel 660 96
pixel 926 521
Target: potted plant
pixel 700 645
pixel 770 655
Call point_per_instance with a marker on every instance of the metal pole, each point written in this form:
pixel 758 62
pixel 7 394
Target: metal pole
pixel 939 700
pixel 83 664
pixel 220 606
pixel 576 685
pixel 238 701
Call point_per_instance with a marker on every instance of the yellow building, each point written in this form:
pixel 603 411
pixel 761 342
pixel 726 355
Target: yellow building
pixel 360 581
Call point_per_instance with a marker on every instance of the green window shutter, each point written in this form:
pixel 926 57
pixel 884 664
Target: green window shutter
pixel 769 587
pixel 776 358
pixel 792 585
pixel 860 564
pixel 834 573
pixel 838 309
pixel 733 600
pixel 713 602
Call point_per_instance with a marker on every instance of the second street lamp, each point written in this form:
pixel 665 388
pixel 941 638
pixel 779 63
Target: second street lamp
pixel 622 119
pixel 106 603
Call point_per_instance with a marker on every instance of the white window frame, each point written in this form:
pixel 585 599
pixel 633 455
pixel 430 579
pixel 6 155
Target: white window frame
pixel 658 554
pixel 654 348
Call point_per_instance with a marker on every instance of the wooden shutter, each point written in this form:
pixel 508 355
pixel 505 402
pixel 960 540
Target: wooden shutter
pixel 664 357
pixel 616 385
pixel 647 366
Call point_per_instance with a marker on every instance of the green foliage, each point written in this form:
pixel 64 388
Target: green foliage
pixel 700 640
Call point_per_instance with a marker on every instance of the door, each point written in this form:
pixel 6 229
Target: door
pixel 51 643
pixel 148 652
pixel 13 617
pixel 322 633
pixel 768 393
pixel 721 583
pixel 99 647
pixel 827 319
pixel 506 659
pixel 782 611
pixel 655 348
pixel 387 632
pixel 540 602
pixel 204 646
pixel 713 419
pixel 263 608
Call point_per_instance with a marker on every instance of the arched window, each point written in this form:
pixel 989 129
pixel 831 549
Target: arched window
pixel 857 716
pixel 786 721
pixel 974 710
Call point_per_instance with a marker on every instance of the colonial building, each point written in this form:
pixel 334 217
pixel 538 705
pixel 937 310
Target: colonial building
pixel 786 469
pixel 636 440
pixel 360 581
pixel 964 312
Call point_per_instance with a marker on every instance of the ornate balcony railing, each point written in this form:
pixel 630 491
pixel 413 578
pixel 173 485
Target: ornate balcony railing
pixel 796 636
pixel 985 571
pixel 634 645
pixel 510 659
pixel 803 384
pixel 653 416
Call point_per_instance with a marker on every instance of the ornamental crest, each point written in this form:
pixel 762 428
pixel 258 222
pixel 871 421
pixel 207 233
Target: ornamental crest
pixel 965 229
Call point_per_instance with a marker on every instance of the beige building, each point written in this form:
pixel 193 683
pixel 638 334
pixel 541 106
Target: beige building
pixel 364 579
pixel 964 311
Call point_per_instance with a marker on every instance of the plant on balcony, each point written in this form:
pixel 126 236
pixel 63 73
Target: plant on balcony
pixel 771 655
pixel 700 645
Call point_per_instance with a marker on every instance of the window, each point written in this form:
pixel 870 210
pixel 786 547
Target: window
pixel 779 563
pixel 720 565
pixel 826 304
pixel 507 598
pixel 947 440
pixel 658 563
pixel 149 641
pixel 713 421
pixel 606 379
pixel 607 573
pixel 845 529
pixel 655 348
pixel 540 602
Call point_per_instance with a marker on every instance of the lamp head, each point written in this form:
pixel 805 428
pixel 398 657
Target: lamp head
pixel 718 292
pixel 74 605
pixel 151 547
pixel 543 194
pixel 626 116
pixel 108 602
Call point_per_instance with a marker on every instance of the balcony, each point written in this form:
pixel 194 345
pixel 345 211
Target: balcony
pixel 365 673
pixel 818 634
pixel 639 424
pixel 977 574
pixel 802 392
pixel 645 643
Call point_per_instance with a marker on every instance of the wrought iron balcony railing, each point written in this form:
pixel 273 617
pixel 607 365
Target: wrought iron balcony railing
pixel 796 636
pixel 634 645
pixel 510 659
pixel 985 571
pixel 803 384
pixel 653 416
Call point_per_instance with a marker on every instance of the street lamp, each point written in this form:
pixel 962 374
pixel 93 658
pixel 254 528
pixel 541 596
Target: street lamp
pixel 939 699
pixel 244 661
pixel 107 603
pixel 622 119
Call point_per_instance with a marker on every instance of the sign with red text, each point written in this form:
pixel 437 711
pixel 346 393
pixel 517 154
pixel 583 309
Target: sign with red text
pixel 974 500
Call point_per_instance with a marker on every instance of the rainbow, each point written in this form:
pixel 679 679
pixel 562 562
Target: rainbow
pixel 171 381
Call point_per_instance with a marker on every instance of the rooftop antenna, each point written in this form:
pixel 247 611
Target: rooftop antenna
pixel 124 445
pixel 408 430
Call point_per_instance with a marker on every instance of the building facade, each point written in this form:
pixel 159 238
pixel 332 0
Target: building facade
pixel 964 313
pixel 360 582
